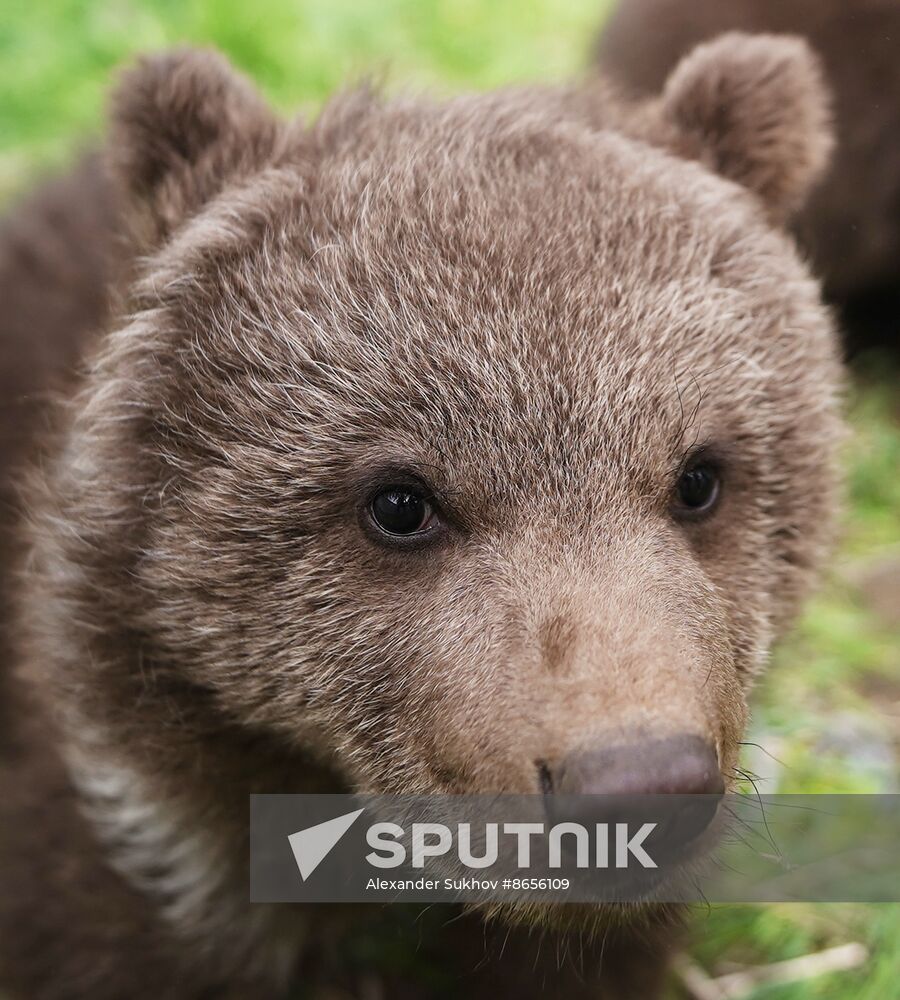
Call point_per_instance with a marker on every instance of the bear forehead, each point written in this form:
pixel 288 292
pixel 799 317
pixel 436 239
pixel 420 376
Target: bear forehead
pixel 528 288
pixel 550 200
pixel 525 239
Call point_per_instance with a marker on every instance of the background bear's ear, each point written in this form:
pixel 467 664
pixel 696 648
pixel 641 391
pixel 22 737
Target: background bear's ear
pixel 755 109
pixel 184 123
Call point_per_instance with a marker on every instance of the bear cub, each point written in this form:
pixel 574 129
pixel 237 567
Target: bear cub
pixel 431 446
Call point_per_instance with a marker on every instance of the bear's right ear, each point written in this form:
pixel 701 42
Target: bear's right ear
pixel 184 123
pixel 755 109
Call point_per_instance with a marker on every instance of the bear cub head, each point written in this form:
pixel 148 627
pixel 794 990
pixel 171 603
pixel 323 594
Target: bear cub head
pixel 462 443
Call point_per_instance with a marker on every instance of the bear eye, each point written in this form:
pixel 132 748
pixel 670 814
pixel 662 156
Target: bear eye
pixel 401 510
pixel 697 489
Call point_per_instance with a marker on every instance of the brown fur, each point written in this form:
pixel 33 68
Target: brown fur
pixel 56 262
pixel 534 301
pixel 851 224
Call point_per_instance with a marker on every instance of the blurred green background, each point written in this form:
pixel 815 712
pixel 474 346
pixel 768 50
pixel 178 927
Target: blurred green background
pixel 827 717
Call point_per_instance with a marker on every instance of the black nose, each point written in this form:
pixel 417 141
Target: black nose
pixel 674 782
pixel 678 765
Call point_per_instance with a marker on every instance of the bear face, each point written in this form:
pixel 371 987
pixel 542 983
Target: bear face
pixel 448 440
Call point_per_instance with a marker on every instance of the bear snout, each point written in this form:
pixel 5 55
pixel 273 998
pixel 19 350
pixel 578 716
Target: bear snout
pixel 683 764
pixel 578 789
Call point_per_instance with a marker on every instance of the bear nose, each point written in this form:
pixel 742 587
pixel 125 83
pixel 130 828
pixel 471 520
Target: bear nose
pixel 679 765
pixel 683 765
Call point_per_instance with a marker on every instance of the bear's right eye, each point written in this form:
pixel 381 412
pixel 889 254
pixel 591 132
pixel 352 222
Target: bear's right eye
pixel 401 510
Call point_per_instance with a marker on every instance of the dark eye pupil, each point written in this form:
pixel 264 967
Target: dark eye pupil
pixel 698 487
pixel 400 512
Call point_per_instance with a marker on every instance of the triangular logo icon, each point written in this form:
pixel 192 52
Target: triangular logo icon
pixel 310 846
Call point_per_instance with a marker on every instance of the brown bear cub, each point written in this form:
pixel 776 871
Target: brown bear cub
pixel 851 224
pixel 431 447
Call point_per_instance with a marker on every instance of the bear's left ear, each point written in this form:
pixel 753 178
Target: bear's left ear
pixel 755 109
pixel 184 124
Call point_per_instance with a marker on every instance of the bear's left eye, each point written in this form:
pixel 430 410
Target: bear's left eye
pixel 698 489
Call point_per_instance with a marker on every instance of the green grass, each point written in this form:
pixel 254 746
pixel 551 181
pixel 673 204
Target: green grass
pixel 829 709
pixel 839 674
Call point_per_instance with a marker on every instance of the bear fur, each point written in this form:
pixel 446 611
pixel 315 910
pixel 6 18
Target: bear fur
pixel 540 303
pixel 851 224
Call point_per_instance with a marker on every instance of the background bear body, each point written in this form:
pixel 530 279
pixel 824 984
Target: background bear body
pixel 537 312
pixel 851 224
